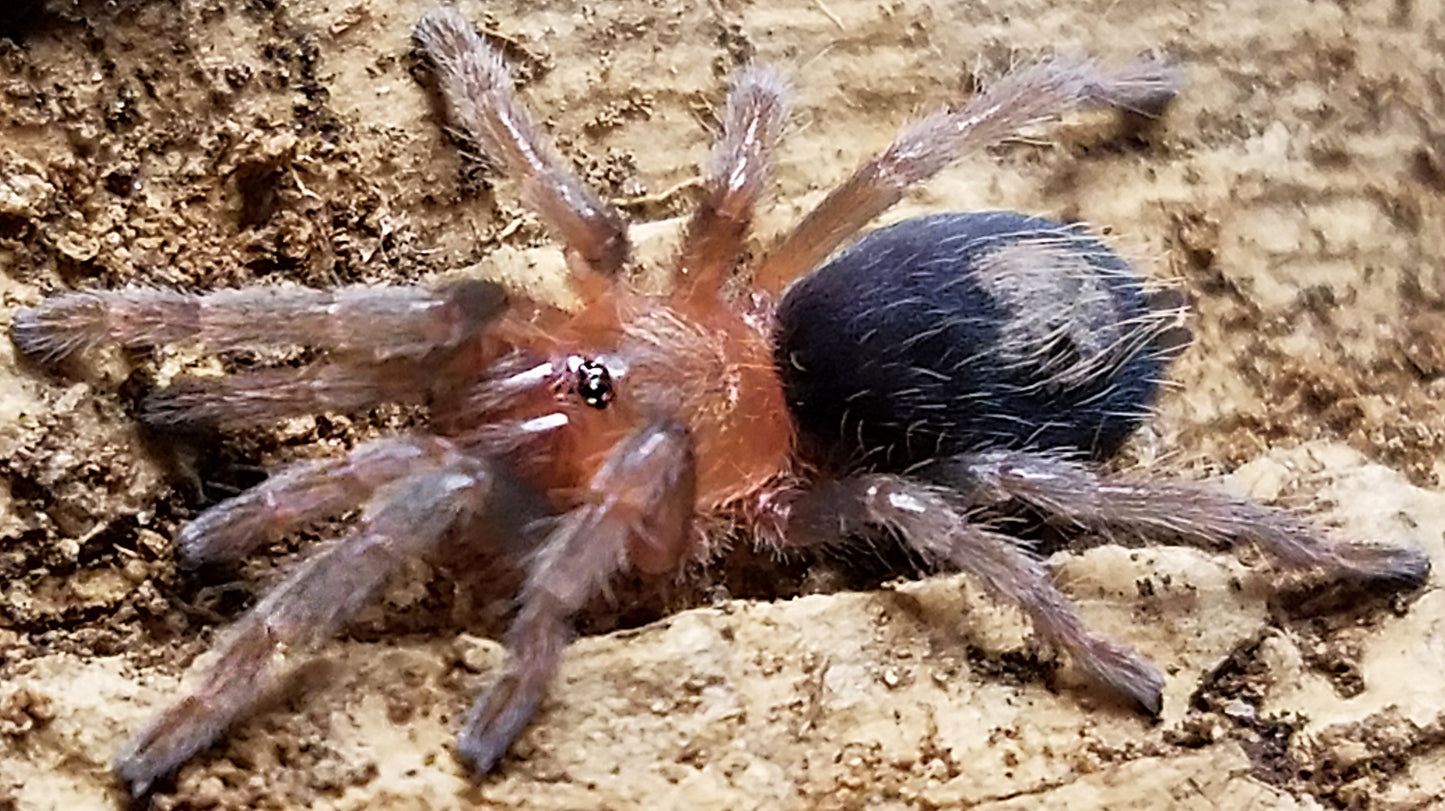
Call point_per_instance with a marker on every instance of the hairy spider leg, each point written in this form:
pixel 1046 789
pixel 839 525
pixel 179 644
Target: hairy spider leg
pixel 752 121
pixel 934 521
pixel 342 384
pixel 409 518
pixel 303 493
pixel 378 323
pixel 1024 98
pixel 637 514
pixel 483 105
pixel 1194 513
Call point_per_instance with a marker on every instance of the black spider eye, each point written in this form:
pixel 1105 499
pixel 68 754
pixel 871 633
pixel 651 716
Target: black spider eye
pixel 594 384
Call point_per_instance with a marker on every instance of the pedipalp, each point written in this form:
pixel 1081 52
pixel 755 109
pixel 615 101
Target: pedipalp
pixel 636 513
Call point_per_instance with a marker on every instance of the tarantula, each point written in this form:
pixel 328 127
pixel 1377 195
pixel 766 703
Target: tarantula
pixel 939 367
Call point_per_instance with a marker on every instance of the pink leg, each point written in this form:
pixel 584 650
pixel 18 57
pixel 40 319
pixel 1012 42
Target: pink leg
pixel 1193 513
pixel 347 384
pixel 931 520
pixel 303 493
pixel 374 322
pixel 409 518
pixel 742 160
pixel 478 90
pixel 637 513
pixel 1022 99
pixel 258 398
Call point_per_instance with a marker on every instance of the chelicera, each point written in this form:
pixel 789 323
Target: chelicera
pixel 933 370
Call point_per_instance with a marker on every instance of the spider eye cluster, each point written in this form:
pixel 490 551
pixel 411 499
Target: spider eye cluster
pixel 594 384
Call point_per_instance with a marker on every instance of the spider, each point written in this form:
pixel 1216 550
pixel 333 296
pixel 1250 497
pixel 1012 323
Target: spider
pixel 931 372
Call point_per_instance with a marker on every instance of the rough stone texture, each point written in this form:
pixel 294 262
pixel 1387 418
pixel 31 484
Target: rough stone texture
pixel 1294 190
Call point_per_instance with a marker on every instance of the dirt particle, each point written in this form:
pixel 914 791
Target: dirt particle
pixel 23 710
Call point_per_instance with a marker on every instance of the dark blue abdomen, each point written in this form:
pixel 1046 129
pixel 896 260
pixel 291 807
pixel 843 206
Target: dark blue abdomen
pixel 965 332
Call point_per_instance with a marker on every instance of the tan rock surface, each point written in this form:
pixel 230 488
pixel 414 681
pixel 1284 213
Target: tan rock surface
pixel 1295 189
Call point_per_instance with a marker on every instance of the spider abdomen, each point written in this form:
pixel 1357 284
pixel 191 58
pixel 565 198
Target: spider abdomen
pixel 958 333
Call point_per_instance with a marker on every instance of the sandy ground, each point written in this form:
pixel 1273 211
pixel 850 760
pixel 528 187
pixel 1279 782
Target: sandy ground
pixel 1294 190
